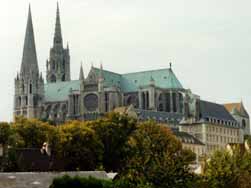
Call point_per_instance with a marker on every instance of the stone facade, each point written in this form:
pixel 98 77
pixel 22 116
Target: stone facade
pixel 214 136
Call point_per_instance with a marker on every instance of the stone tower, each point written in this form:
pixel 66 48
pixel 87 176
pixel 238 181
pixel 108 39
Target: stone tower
pixel 29 85
pixel 58 65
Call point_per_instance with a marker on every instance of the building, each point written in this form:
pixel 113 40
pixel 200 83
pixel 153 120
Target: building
pixel 154 94
pixel 191 143
pixel 238 111
pixel 215 128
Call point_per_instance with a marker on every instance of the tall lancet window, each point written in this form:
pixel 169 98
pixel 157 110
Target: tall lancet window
pixel 30 88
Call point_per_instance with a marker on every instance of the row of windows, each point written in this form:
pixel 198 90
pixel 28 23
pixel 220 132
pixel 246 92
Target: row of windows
pixel 222 122
pixel 221 139
pixel 221 130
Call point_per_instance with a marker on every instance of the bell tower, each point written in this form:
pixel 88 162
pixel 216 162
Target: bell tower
pixel 58 65
pixel 29 85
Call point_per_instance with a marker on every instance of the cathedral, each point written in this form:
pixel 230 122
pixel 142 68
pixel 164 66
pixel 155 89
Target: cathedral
pixel 153 94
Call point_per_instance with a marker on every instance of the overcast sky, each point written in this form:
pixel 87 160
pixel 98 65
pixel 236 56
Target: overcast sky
pixel 208 41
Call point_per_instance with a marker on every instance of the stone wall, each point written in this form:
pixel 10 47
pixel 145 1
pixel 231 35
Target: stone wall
pixel 40 180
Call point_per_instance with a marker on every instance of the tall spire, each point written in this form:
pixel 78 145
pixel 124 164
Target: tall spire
pixel 29 60
pixel 58 40
pixel 101 74
pixel 81 73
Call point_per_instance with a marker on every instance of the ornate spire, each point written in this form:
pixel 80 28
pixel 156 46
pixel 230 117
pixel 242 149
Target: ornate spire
pixel 29 60
pixel 101 74
pixel 81 73
pixel 58 40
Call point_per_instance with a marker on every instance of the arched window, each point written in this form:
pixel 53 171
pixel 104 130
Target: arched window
pixel 160 97
pixel 147 100
pixel 22 88
pixel 53 65
pixel 19 101
pixel 63 78
pixel 30 88
pixel 53 78
pixel 168 102
pixel 143 101
pixel 181 103
pixel 26 100
pixel 161 107
pixel 243 123
pixel 174 98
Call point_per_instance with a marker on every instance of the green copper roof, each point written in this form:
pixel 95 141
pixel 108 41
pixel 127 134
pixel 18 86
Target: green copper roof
pixel 111 78
pixel 163 78
pixel 59 91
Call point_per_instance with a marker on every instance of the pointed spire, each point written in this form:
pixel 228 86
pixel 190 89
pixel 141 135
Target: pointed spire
pixel 101 75
pixel 58 40
pixel 81 73
pixel 29 60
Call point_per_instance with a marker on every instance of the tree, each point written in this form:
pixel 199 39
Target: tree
pixel 114 131
pixel 30 133
pixel 81 147
pixel 232 170
pixel 5 133
pixel 157 158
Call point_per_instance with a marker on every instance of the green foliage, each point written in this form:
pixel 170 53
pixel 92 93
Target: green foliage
pixel 146 155
pixel 81 147
pixel 30 133
pixel 5 133
pixel 157 158
pixel 80 182
pixel 232 170
pixel 114 131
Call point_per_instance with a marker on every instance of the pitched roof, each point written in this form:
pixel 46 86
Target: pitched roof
pixel 159 116
pixel 187 138
pixel 213 110
pixel 163 78
pixel 111 78
pixel 231 107
pixel 59 91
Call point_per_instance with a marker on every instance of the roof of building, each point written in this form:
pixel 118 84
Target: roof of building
pixel 213 110
pixel 163 78
pixel 236 108
pixel 159 116
pixel 110 78
pixel 187 138
pixel 59 91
